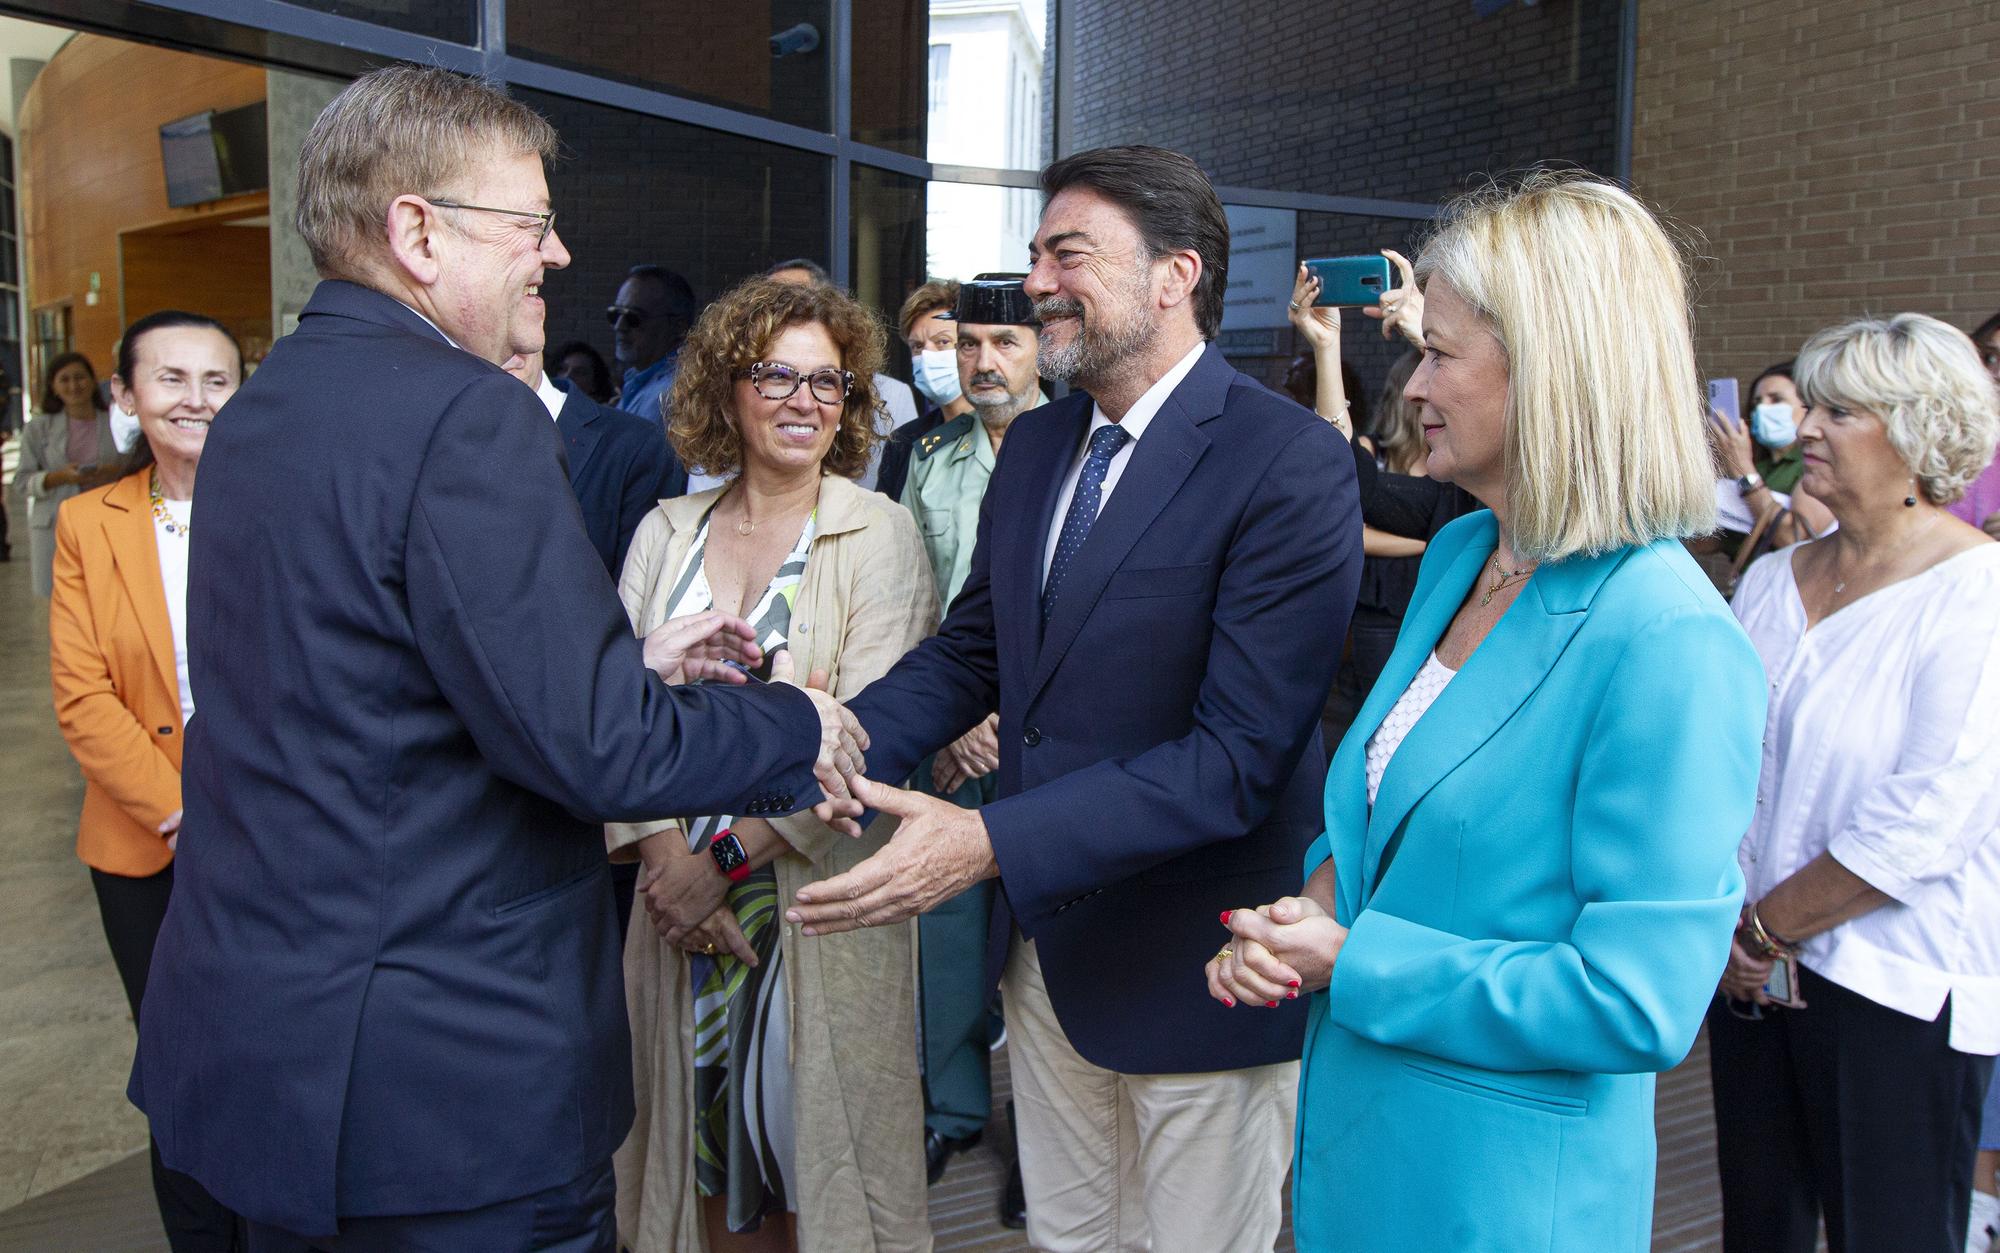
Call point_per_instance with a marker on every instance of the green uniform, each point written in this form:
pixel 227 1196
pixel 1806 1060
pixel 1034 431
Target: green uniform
pixel 948 473
pixel 949 469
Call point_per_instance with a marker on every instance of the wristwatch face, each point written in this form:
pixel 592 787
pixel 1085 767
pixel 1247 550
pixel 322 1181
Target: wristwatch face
pixel 727 851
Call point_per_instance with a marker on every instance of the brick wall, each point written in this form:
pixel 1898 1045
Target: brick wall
pixel 1412 101
pixel 1837 158
pixel 1404 101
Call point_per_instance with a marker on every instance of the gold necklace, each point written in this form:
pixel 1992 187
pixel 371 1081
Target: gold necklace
pixel 1503 577
pixel 161 513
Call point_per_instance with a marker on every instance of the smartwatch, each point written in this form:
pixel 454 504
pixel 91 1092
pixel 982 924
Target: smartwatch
pixel 1750 482
pixel 729 856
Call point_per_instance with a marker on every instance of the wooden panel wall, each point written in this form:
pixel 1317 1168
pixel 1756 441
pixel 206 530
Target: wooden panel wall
pixel 89 141
pixel 221 270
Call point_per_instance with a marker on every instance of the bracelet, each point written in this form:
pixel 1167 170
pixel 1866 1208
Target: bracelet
pixel 1767 941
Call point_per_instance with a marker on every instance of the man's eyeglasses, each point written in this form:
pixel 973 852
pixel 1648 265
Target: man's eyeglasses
pixel 548 219
pixel 626 315
pixel 780 382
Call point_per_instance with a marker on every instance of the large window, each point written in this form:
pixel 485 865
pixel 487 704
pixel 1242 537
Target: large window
pixel 638 190
pixel 771 59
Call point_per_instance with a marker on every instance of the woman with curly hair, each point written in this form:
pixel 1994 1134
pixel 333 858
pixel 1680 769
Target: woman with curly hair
pixel 779 1104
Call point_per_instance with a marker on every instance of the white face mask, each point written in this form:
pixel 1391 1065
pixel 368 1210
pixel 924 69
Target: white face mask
pixel 124 429
pixel 1773 425
pixel 936 374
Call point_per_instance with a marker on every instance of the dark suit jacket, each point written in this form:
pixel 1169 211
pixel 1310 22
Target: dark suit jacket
pixel 894 471
pixel 389 981
pixel 1159 755
pixel 620 466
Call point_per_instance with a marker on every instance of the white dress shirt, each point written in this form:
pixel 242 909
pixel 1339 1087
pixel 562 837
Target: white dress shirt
pixel 174 578
pixel 1135 422
pixel 1882 747
pixel 552 396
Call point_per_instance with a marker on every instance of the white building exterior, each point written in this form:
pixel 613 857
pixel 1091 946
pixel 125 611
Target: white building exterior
pixel 986 110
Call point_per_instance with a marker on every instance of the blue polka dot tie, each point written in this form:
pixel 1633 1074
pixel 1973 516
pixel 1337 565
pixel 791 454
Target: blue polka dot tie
pixel 1104 445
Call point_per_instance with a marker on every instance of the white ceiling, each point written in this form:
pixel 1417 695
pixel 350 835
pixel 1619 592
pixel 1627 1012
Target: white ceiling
pixel 32 40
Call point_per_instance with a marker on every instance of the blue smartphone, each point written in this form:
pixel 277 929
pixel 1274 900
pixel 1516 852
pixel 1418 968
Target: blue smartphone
pixel 1722 399
pixel 1350 280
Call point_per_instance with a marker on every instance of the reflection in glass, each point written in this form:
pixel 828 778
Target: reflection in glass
pixel 886 242
pixel 638 190
pixel 973 229
pixel 771 59
pixel 886 104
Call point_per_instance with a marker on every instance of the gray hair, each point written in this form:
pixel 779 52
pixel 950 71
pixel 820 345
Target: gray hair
pixel 1923 379
pixel 401 130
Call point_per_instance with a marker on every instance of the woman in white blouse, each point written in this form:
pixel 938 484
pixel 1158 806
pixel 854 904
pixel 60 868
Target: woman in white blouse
pixel 118 659
pixel 1873 875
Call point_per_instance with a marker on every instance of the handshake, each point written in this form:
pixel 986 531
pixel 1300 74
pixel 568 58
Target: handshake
pixel 718 648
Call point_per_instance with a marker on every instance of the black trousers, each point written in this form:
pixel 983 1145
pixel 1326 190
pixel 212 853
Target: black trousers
pixel 1848 1110
pixel 133 910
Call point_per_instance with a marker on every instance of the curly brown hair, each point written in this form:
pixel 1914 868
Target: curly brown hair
pixel 734 333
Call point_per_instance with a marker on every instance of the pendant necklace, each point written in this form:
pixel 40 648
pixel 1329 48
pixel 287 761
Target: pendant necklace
pixel 1502 577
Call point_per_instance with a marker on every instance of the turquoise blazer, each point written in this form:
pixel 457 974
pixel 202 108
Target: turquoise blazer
pixel 1540 907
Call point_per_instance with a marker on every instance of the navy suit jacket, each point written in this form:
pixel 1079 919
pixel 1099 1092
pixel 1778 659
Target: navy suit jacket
pixel 389 981
pixel 1159 750
pixel 620 466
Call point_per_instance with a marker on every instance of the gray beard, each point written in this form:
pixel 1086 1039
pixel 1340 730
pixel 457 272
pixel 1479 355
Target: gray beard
pixel 996 416
pixel 1096 353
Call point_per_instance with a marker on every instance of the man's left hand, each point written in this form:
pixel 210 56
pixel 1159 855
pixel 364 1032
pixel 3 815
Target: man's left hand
pixel 699 647
pixel 937 852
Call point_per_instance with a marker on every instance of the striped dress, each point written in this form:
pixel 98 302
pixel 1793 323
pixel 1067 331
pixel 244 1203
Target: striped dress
pixel 743 1133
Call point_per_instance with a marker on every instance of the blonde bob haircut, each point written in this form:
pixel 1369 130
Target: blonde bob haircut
pixel 398 131
pixel 734 333
pixel 1923 380
pixel 1589 298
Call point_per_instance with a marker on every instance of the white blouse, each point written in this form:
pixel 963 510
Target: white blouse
pixel 1882 747
pixel 1409 707
pixel 174 575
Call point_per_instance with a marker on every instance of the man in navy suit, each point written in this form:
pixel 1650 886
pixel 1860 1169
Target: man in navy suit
pixel 386 1009
pixel 620 465
pixel 1163 573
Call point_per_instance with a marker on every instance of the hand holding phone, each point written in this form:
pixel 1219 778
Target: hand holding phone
pixel 1722 399
pixel 1350 281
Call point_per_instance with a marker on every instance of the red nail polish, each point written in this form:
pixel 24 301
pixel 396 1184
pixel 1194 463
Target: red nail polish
pixel 1226 1001
pixel 1294 983
pixel 1291 996
pixel 1225 916
pixel 1270 1005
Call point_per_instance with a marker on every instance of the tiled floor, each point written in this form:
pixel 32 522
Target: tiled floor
pixel 72 1151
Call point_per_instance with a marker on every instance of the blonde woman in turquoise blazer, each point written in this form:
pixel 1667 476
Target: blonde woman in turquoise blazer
pixel 1527 886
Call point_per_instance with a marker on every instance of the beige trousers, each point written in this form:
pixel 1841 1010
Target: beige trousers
pixel 1167 1163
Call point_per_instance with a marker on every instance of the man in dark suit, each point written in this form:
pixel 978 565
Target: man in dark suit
pixel 386 1008
pixel 620 464
pixel 1163 573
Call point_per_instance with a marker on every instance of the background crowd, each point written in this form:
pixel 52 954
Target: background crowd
pixel 1646 716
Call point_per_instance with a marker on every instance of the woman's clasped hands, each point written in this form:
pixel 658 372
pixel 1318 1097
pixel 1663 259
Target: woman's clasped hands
pixel 1275 953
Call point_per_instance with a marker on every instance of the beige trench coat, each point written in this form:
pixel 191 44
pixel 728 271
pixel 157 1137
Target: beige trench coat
pixel 866 599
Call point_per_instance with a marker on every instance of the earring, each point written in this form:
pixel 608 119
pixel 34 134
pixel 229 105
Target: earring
pixel 1910 501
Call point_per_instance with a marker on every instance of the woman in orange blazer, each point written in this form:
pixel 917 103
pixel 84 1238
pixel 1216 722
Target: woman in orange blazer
pixel 118 660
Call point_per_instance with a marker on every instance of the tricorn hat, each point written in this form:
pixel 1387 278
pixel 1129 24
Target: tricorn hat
pixel 994 300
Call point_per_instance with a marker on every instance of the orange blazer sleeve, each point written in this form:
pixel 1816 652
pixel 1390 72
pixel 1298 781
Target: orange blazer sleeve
pixel 107 739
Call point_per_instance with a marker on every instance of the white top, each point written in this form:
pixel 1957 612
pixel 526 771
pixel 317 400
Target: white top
pixel 174 575
pixel 1882 747
pixel 1418 697
pixel 553 397
pixel 1135 422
